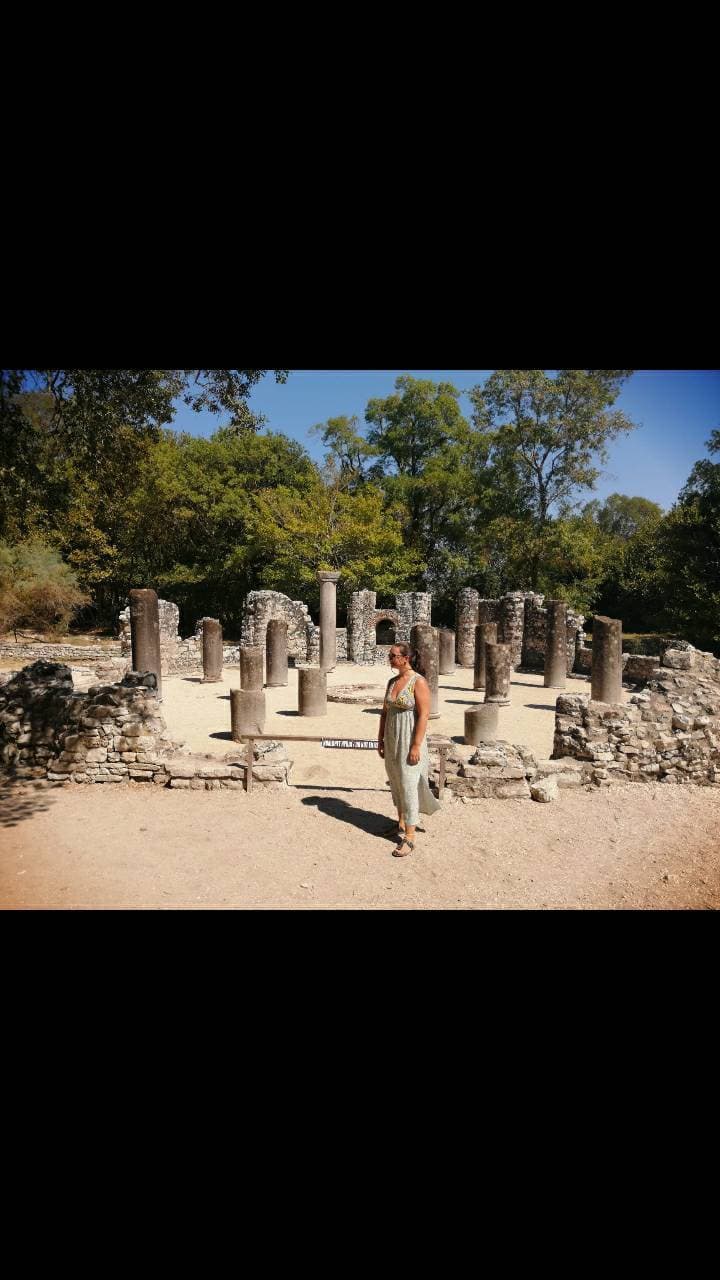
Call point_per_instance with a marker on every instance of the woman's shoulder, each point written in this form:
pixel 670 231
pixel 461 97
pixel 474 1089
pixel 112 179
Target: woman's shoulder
pixel 420 680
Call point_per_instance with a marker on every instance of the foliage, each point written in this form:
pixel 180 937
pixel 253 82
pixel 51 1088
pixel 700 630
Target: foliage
pixel 37 589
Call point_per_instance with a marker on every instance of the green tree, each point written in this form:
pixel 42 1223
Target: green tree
pixel 543 434
pixel 349 451
pixel 37 589
pixel 621 516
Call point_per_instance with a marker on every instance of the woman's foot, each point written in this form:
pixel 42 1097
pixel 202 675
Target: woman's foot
pixel 404 848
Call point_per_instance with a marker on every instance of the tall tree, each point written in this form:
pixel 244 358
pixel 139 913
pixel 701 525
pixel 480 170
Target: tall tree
pixel 544 435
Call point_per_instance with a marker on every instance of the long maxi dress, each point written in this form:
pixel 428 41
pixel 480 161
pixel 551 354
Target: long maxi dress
pixel 408 782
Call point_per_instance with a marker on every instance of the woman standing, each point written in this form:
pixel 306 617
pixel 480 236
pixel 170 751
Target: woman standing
pixel 403 746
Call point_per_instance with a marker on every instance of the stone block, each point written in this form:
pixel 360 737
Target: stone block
pixel 181 768
pixel 544 790
pixel 182 783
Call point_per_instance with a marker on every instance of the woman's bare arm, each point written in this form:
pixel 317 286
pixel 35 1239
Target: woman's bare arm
pixel 422 713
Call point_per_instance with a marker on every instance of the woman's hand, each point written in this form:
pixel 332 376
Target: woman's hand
pixel 414 755
pixel 381 749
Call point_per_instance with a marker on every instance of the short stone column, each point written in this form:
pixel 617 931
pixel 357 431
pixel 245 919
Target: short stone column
pixel 484 632
pixel 212 651
pixel 251 666
pixel 425 641
pixel 481 723
pixel 145 633
pixel 247 713
pixel 556 644
pixel 447 652
pixel 328 619
pixel 312 691
pixel 498 665
pixel 606 668
pixel 466 622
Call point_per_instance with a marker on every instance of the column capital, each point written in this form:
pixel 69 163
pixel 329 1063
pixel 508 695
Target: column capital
pixel 328 575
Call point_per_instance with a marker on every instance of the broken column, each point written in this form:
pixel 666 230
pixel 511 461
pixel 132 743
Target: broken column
pixel 212 650
pixel 276 653
pixel 312 691
pixel 606 668
pixel 447 652
pixel 247 713
pixel 145 633
pixel 251 666
pixel 555 644
pixel 466 622
pixel 484 632
pixel 328 619
pixel 498 665
pixel 481 723
pixel 424 640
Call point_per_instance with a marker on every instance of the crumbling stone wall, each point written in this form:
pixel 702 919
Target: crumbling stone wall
pixel 111 733
pixel 259 607
pixel 535 631
pixel 668 732
pixel 363 616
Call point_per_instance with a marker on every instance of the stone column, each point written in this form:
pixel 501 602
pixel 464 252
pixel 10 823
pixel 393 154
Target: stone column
pixel 328 619
pixel 212 651
pixel 424 639
pixel 145 633
pixel 447 652
pixel 606 668
pixel 312 691
pixel 498 665
pixel 276 653
pixel 556 644
pixel 251 666
pixel 511 611
pixel 466 622
pixel 484 632
pixel 247 713
pixel 481 723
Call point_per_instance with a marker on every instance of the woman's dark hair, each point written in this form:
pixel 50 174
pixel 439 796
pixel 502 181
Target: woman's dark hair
pixel 407 651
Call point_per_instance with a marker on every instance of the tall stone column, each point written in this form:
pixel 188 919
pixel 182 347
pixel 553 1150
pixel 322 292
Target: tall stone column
pixel 424 639
pixel 485 632
pixel 276 653
pixel 606 668
pixel 556 644
pixel 481 723
pixel 251 666
pixel 447 652
pixel 247 713
pixel 328 619
pixel 145 633
pixel 466 622
pixel 312 691
pixel 498 665
pixel 212 651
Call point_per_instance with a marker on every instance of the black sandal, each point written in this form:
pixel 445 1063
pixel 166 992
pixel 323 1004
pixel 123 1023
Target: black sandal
pixel 410 844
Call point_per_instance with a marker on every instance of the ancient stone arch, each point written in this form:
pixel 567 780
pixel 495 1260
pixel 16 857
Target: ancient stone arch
pixel 385 615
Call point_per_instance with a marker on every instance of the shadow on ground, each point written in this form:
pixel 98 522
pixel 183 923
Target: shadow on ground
pixel 21 800
pixel 376 824
pixel 539 706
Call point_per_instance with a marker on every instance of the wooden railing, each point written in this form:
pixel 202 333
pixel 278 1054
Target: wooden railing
pixel 442 748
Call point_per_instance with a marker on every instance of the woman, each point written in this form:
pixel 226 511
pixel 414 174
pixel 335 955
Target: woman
pixel 403 746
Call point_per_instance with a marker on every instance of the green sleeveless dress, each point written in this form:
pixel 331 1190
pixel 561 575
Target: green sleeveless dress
pixel 408 782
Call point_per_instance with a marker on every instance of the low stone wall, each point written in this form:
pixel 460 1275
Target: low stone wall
pixel 111 733
pixel 88 654
pixel 669 732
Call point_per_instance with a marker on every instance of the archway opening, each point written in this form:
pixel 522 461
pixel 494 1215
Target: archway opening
pixel 385 632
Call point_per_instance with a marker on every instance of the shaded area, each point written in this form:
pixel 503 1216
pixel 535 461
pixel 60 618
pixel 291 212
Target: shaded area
pixel 375 824
pixel 20 800
pixel 540 706
pixel 225 734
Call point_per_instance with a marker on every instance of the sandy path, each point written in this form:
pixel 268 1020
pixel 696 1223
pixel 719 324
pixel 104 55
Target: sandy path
pixel 319 845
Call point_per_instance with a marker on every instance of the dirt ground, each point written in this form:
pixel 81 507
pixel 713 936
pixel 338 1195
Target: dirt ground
pixel 320 844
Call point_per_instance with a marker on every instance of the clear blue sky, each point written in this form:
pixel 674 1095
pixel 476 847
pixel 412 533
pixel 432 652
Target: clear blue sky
pixel 675 410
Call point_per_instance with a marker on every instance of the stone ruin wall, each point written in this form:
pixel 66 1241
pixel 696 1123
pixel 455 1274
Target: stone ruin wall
pixel 668 732
pixel 111 733
pixel 303 637
pixel 412 608
pixel 521 622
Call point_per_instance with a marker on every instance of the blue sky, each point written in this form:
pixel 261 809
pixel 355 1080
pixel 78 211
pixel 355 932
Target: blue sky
pixel 675 410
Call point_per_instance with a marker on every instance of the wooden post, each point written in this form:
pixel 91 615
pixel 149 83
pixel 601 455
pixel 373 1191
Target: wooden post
pixel 249 752
pixel 441 774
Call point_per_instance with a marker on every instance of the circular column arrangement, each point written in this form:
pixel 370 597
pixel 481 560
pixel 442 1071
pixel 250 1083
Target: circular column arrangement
pixel 447 652
pixel 328 619
pixel 481 723
pixel 276 654
pixel 312 691
pixel 251 666
pixel 485 632
pixel 556 644
pixel 212 651
pixel 247 713
pixel 145 633
pixel 424 639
